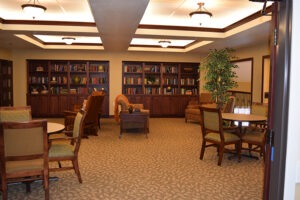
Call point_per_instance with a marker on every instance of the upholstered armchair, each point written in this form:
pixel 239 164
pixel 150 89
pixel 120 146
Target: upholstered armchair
pixel 92 106
pixel 122 102
pixel 192 111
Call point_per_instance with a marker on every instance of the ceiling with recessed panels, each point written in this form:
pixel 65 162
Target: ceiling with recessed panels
pixel 133 25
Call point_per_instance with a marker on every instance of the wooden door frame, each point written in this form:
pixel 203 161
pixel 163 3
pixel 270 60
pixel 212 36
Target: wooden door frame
pixel 278 104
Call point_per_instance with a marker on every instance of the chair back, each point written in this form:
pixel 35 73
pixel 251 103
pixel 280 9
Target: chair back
pixel 259 109
pixel 93 107
pixel 78 128
pixel 211 121
pixel 23 151
pixel 15 114
pixel 229 106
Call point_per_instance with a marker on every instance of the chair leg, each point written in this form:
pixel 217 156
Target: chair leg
pixel 202 150
pixel 221 151
pixel 238 151
pixel 76 169
pixel 250 149
pixel 4 189
pixel 46 186
pixel 99 116
pixel 27 184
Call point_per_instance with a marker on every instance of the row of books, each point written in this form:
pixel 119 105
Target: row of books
pixel 38 79
pixel 59 80
pixel 187 81
pixel 151 90
pixel 132 80
pixel 96 68
pixel 133 68
pixel 189 91
pixel 59 67
pixel 96 80
pixel 133 91
pixel 78 67
pixel 170 69
pixel 153 69
pixel 170 81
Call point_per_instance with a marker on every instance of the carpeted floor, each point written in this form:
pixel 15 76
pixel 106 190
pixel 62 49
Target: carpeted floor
pixel 164 166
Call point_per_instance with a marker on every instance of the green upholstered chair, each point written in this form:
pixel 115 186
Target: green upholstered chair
pixel 214 134
pixel 15 114
pixel 24 153
pixel 255 134
pixel 255 137
pixel 68 149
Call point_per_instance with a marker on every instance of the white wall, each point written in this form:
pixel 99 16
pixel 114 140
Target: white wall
pixel 292 170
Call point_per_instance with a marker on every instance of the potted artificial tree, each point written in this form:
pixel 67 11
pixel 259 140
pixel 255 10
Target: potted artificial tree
pixel 219 74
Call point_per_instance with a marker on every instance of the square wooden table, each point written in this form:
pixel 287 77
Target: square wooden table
pixel 134 120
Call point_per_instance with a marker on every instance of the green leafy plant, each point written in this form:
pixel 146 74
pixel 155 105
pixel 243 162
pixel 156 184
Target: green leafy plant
pixel 219 74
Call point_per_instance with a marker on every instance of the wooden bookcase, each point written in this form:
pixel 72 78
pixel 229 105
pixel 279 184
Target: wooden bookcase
pixel 6 83
pixel 163 87
pixel 56 85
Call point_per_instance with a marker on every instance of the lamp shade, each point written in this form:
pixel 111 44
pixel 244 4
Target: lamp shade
pixel 201 15
pixel 34 10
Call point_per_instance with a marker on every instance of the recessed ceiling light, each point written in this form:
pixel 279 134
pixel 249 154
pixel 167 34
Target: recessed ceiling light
pixel 164 43
pixel 68 40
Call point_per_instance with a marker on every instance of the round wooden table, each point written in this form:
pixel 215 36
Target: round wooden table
pixel 54 127
pixel 243 118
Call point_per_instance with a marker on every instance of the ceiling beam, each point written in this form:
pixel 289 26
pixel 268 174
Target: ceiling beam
pixel 116 32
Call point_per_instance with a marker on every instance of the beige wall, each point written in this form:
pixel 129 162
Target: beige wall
pixel 256 52
pixel 5 54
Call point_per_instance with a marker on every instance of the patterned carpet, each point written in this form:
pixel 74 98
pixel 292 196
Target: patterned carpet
pixel 164 166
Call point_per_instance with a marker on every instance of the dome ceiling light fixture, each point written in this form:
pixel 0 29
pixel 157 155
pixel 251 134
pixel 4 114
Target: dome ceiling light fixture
pixel 164 43
pixel 201 15
pixel 33 9
pixel 68 40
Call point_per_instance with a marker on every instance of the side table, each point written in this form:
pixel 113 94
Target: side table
pixel 134 120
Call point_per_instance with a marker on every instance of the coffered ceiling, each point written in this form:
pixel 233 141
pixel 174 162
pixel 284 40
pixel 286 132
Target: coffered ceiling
pixel 133 25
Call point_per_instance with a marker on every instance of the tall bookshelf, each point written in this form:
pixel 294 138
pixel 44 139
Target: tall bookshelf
pixel 6 83
pixel 160 78
pixel 56 85
pixel 163 87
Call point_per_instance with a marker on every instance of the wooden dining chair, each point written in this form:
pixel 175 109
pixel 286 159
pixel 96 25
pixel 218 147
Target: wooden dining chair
pixel 255 138
pixel 214 134
pixel 24 153
pixel 15 114
pixel 67 148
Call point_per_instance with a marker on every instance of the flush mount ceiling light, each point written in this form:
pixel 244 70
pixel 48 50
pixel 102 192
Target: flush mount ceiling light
pixel 164 43
pixel 201 15
pixel 33 9
pixel 68 40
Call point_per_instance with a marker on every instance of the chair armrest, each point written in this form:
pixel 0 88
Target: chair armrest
pixel 140 106
pixel 68 112
pixel 191 106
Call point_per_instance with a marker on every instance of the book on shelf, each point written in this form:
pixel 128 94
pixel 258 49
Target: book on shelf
pixel 73 91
